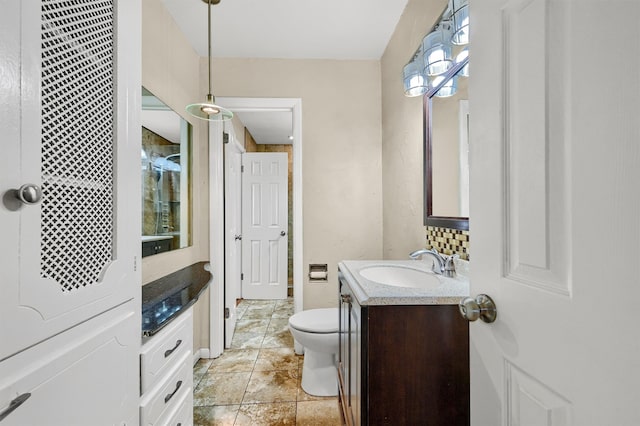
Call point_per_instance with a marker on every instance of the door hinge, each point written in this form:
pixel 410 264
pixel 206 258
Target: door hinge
pixel 225 137
pixel 241 276
pixel 135 263
pixel 242 169
pixel 226 313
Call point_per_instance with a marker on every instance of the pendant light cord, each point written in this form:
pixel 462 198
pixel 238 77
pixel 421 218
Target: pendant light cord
pixel 209 43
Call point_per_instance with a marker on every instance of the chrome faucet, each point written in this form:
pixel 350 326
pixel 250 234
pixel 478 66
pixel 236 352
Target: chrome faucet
pixel 442 265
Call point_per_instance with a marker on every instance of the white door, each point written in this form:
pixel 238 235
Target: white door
pixel 233 234
pixel 264 225
pixel 555 211
pixel 66 121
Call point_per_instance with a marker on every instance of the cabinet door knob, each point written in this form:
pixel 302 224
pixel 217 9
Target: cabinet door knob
pixel 29 193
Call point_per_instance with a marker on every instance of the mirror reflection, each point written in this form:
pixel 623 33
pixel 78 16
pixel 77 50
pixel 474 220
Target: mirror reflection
pixel 450 149
pixel 165 167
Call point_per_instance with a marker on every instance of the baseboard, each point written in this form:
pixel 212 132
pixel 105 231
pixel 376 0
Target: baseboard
pixel 200 353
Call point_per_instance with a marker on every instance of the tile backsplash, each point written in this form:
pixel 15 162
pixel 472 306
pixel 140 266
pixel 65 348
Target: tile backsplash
pixel 448 241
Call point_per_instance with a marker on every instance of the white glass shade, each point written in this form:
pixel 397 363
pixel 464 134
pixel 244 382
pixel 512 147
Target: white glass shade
pixel 209 111
pixel 437 51
pixel 414 81
pixel 460 21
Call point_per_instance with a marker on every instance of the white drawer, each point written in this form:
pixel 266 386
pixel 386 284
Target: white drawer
pixel 183 415
pixel 161 401
pixel 161 352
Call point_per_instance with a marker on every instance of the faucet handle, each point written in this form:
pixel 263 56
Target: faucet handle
pixel 450 265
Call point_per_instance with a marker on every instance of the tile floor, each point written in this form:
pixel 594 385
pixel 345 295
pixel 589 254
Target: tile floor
pixel 257 381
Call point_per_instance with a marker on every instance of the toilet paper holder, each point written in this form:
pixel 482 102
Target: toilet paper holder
pixel 318 272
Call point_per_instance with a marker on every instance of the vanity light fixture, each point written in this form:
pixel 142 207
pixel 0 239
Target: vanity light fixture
pixel 414 81
pixel 437 49
pixel 460 21
pixel 208 110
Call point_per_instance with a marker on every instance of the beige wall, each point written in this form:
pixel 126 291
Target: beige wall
pixel 170 70
pixel 341 136
pixel 402 135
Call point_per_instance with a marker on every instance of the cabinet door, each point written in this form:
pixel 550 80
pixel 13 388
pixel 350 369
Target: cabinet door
pixel 69 122
pixel 86 376
pixel 355 362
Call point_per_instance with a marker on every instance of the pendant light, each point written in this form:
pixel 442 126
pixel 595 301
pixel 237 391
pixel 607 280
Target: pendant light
pixel 208 110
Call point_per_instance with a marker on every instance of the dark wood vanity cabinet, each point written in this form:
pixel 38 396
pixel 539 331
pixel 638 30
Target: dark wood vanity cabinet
pixel 402 364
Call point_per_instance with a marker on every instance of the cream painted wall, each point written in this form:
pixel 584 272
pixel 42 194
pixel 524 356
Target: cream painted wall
pixel 402 135
pixel 170 70
pixel 341 165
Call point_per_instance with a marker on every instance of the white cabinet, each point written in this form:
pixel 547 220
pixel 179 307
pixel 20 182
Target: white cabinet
pixel 70 128
pixel 85 376
pixel 68 120
pixel 166 374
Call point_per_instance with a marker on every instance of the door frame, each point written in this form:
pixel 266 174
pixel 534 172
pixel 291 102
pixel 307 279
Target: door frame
pixel 216 208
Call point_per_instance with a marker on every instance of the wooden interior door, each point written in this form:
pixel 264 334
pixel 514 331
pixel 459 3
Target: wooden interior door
pixel 555 211
pixel 264 225
pixel 233 235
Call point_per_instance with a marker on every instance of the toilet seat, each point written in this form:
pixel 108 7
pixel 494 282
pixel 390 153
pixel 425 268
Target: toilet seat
pixel 319 321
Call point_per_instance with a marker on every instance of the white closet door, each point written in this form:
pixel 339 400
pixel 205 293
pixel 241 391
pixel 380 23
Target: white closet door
pixel 264 225
pixel 64 114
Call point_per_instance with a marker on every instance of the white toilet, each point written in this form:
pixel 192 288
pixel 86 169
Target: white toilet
pixel 317 331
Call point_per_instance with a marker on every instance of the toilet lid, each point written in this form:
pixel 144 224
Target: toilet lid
pixel 316 320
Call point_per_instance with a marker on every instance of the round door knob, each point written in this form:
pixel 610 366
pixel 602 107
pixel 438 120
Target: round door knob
pixel 29 193
pixel 282 233
pixel 238 237
pixel 481 307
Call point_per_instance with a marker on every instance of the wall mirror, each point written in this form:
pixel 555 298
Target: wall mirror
pixel 166 177
pixel 445 61
pixel 446 134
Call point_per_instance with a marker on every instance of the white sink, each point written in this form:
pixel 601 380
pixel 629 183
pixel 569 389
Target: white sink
pixel 400 276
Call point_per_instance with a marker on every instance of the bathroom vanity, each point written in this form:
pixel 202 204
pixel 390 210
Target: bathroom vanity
pixel 404 351
pixel 166 356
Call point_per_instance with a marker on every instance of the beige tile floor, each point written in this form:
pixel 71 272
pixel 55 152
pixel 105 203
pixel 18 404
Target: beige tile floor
pixel 257 380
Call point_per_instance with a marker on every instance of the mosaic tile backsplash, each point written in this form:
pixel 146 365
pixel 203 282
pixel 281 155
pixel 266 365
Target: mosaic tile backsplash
pixel 448 241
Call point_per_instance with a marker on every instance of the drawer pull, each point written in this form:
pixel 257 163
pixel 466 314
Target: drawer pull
pixel 169 396
pixel 170 351
pixel 14 404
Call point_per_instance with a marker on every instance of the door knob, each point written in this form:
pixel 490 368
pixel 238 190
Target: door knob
pixel 238 237
pixel 29 193
pixel 481 307
pixel 282 233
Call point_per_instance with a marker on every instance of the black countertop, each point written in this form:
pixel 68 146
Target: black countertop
pixel 166 298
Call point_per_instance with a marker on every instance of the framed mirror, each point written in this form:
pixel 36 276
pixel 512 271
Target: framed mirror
pixel 166 177
pixel 446 149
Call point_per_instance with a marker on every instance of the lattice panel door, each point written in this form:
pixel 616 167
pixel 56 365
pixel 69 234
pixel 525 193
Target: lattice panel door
pixel 76 248
pixel 77 141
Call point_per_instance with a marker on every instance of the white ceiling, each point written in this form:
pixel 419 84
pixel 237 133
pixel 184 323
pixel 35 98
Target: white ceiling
pixel 268 127
pixel 290 29
pixel 328 29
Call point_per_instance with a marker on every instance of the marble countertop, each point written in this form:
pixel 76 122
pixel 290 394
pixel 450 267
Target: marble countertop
pixel 369 293
pixel 166 298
